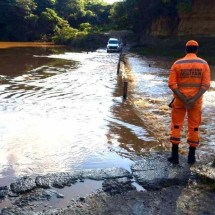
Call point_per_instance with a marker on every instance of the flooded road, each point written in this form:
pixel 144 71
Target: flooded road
pixel 151 96
pixel 61 111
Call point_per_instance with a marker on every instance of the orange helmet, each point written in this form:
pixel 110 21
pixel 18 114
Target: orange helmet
pixel 192 43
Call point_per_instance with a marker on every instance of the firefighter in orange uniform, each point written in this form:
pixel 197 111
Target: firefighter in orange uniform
pixel 189 79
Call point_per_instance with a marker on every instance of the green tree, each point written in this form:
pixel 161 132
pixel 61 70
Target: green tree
pixel 64 35
pixel 43 4
pixel 15 18
pixel 86 27
pixel 138 15
pixel 119 16
pixel 67 7
pixel 24 20
pixel 49 21
pixel 97 12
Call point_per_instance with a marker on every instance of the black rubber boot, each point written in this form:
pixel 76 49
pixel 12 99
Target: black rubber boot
pixel 191 155
pixel 174 158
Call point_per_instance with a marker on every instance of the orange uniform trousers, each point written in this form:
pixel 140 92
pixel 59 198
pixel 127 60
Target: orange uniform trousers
pixel 188 74
pixel 194 116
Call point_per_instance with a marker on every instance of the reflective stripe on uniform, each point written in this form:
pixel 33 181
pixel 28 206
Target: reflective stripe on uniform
pixel 193 142
pixel 189 85
pixel 205 86
pixel 191 61
pixel 175 139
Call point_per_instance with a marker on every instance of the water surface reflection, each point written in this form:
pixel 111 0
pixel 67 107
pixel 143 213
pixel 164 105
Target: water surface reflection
pixel 62 110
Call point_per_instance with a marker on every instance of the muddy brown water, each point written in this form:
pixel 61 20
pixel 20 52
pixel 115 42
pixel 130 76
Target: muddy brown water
pixel 151 96
pixel 63 110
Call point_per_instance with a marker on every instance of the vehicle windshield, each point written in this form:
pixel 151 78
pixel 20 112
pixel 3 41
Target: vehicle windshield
pixel 113 42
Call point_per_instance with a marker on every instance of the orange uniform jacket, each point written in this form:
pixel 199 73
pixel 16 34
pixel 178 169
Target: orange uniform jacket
pixel 189 74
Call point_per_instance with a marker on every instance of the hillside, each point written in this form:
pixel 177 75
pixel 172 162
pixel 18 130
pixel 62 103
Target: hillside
pixel 199 21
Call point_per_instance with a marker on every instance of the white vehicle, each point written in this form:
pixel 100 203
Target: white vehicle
pixel 114 45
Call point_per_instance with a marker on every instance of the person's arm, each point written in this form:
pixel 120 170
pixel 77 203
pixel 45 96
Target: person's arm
pixel 181 96
pixel 205 85
pixel 173 84
pixel 192 100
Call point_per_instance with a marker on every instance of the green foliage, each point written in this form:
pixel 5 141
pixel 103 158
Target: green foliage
pixel 85 27
pixel 26 20
pixel 184 6
pixel 49 21
pixel 64 35
pixel 89 41
pixel 43 4
pixel 27 6
pixel 119 16
pixel 138 15
pixel 15 16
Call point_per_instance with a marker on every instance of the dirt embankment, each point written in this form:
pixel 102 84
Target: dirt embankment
pixel 198 21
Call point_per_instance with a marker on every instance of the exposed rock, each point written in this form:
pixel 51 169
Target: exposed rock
pixel 34 196
pixel 117 186
pixel 195 199
pixel 16 210
pixel 170 200
pixel 4 191
pixel 155 172
pixel 199 21
pixel 23 184
pixel 99 174
pixel 61 180
pixel 58 180
pixel 60 196
pixel 164 26
pixel 167 184
pixel 204 171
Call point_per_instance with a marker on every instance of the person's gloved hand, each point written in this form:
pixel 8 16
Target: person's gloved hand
pixel 189 103
pixel 181 96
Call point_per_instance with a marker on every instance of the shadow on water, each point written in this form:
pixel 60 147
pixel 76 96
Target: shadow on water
pixel 127 129
pixel 17 61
